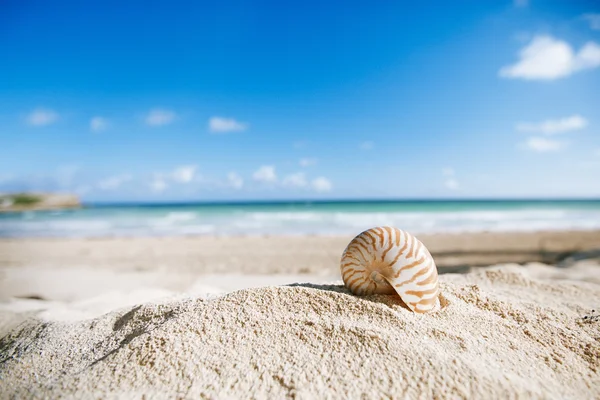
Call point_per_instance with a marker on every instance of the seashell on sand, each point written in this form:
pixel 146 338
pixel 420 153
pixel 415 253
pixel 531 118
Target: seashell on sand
pixel 386 260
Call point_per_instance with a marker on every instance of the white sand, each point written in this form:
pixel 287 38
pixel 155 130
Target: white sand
pixel 504 332
pixel 74 294
pixel 187 318
pixel 315 255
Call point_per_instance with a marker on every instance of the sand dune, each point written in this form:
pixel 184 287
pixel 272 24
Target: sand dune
pixel 503 332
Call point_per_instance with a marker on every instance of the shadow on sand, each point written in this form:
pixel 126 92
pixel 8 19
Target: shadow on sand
pixel 386 299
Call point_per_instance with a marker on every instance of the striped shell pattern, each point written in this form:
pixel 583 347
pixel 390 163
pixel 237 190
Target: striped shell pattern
pixel 386 260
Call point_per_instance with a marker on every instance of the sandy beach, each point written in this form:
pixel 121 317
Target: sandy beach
pixel 296 200
pixel 257 317
pixel 318 255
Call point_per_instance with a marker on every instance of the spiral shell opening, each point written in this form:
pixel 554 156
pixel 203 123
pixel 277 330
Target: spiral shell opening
pixel 387 260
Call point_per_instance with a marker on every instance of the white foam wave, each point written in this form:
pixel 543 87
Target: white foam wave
pixel 172 223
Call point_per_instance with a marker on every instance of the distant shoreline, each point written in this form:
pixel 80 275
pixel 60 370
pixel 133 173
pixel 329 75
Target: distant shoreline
pixel 73 202
pixel 33 201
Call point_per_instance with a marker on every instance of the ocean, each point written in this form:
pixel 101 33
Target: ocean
pixel 303 218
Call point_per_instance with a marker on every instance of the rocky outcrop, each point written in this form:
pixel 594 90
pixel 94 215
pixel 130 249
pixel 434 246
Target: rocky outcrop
pixel 37 201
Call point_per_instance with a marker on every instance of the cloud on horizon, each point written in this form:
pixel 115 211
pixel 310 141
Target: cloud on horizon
pixel 265 174
pixel 321 184
pixel 184 173
pixel 547 58
pixel 450 181
pixel 234 180
pixel 158 183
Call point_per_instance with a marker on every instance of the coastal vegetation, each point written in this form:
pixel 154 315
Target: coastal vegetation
pixel 23 201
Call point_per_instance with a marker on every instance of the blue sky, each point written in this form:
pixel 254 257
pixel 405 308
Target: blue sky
pixel 239 100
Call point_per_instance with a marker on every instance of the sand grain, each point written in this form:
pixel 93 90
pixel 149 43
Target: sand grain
pixel 502 333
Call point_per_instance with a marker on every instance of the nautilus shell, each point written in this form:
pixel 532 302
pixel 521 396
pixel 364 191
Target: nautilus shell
pixel 387 260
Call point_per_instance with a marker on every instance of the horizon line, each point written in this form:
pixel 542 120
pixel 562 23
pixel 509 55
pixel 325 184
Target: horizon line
pixel 334 201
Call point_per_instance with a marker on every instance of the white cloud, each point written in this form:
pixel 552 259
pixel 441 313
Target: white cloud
pixel 521 3
pixel 307 162
pixel 184 174
pixel 160 117
pixel 158 183
pixel 297 180
pixel 234 180
pixel 223 125
pixel 366 145
pixel 98 124
pixel 114 182
pixel 593 19
pixel 597 152
pixel 450 181
pixel 554 126
pixel 321 184
pixel 42 117
pixel 543 145
pixel 451 184
pixel 266 173
pixel 547 58
pixel 447 171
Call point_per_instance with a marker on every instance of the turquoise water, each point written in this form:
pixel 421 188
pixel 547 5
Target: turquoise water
pixel 299 218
